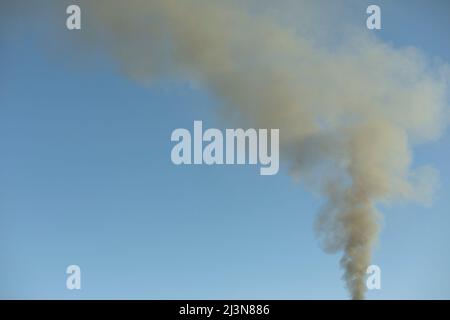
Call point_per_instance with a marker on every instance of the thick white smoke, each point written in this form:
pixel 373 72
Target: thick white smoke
pixel 347 113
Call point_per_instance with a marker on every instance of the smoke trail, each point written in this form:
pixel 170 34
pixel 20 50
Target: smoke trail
pixel 348 114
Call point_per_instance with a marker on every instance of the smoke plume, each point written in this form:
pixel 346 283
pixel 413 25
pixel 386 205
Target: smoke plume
pixel 348 112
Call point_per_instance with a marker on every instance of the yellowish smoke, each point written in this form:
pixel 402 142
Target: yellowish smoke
pixel 348 113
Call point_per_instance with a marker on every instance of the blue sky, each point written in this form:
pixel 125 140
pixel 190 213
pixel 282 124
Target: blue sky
pixel 86 179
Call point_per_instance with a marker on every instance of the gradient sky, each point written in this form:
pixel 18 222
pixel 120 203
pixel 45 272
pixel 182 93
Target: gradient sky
pixel 86 178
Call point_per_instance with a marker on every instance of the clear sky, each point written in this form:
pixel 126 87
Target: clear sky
pixel 86 179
